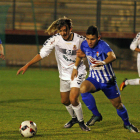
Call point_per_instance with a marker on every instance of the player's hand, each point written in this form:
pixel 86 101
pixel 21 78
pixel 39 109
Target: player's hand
pixel 24 68
pixel 2 56
pixel 80 53
pixel 98 64
pixel 74 74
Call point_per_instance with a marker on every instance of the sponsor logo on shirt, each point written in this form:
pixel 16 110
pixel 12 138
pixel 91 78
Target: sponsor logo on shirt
pixel 67 59
pixel 93 61
pixel 69 52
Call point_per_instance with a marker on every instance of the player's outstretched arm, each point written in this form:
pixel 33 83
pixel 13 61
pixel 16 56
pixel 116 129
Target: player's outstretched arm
pixel 25 67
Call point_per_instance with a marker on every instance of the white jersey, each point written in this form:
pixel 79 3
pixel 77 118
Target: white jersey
pixel 136 43
pixel 65 53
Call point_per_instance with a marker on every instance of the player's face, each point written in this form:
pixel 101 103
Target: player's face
pixel 92 40
pixel 64 32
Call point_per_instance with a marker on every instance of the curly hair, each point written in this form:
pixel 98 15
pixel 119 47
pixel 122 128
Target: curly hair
pixel 56 25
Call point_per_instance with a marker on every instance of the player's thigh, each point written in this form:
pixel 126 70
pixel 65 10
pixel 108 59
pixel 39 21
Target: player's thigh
pixel 74 93
pixel 64 85
pixel 111 90
pixel 65 95
pixel 116 102
pixel 65 98
pixel 77 81
pixel 75 85
pixel 138 66
pixel 87 86
pixel 65 91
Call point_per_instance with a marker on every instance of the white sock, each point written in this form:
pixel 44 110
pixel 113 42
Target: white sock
pixel 78 111
pixel 132 82
pixel 71 111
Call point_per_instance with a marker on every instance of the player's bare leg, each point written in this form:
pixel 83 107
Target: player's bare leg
pixel 76 105
pixel 66 101
pixel 75 109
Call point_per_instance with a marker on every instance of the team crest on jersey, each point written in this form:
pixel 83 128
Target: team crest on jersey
pixel 97 54
pixel 74 47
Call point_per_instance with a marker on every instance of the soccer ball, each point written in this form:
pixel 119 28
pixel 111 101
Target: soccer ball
pixel 28 129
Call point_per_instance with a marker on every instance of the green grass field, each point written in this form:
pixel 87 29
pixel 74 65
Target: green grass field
pixel 35 96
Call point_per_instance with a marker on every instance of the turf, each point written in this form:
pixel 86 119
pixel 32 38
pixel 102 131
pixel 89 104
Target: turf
pixel 35 96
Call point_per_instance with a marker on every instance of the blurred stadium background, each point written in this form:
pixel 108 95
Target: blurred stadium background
pixel 22 25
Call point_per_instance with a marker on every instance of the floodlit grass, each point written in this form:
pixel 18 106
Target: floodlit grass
pixel 35 96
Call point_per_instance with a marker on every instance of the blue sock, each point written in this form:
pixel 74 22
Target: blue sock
pixel 124 115
pixel 89 101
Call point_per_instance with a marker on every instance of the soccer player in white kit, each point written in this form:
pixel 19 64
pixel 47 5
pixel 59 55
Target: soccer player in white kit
pixel 135 46
pixel 65 43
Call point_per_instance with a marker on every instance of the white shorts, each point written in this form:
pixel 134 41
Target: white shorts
pixel 66 85
pixel 138 66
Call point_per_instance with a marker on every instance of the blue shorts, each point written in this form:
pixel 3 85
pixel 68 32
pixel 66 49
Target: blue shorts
pixel 111 90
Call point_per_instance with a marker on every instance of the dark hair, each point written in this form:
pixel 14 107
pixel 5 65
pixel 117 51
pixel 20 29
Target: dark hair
pixel 92 30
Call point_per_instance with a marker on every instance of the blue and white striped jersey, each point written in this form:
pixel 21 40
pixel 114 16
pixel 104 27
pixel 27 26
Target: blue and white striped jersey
pixel 102 74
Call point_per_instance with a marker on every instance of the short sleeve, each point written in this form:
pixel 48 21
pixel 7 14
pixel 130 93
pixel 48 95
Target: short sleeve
pixel 47 47
pixel 107 49
pixel 135 42
pixel 82 47
pixel 104 47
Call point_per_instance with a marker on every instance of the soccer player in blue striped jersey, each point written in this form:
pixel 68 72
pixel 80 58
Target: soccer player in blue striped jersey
pixel 1 50
pixel 101 77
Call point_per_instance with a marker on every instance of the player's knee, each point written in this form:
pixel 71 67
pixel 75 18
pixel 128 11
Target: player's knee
pixel 65 102
pixel 74 101
pixel 83 89
pixel 87 86
pixel 74 96
pixel 118 105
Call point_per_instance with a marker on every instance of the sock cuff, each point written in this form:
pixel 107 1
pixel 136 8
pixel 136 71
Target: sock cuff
pixel 122 109
pixel 85 94
pixel 69 106
pixel 77 107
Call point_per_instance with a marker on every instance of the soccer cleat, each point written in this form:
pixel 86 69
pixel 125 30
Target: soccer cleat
pixel 83 126
pixel 122 86
pixel 131 128
pixel 93 120
pixel 71 123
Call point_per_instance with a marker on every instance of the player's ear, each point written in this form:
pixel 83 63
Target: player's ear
pixel 70 29
pixel 99 37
